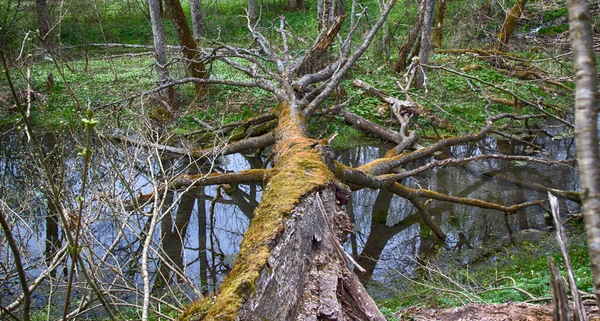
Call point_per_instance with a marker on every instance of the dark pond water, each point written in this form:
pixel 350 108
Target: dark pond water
pixel 199 231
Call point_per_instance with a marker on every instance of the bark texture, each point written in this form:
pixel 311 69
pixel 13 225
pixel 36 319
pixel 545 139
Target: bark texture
pixel 586 128
pixel 160 51
pixel 425 51
pixel 43 18
pixel 436 38
pixel 195 66
pixel 197 21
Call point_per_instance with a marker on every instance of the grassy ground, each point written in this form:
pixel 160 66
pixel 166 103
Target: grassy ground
pixel 511 271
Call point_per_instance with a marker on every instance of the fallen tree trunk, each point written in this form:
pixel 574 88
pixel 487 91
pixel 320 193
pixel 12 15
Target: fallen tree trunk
pixel 291 263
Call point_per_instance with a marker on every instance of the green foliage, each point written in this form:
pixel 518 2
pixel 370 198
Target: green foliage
pixel 552 30
pixel 555 14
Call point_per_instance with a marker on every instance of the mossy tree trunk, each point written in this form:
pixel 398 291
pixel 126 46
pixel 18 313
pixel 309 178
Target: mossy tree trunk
pixel 403 53
pixel 436 38
pixel 291 263
pixel 510 23
pixel 194 65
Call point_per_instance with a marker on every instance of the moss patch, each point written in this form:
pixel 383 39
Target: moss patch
pixel 299 171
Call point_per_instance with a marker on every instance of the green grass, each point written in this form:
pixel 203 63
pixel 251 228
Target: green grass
pixel 490 278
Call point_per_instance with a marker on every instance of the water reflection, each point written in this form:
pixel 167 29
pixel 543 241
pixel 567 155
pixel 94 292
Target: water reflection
pixel 200 229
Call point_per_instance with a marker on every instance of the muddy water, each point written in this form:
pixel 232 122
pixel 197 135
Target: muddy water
pixel 389 235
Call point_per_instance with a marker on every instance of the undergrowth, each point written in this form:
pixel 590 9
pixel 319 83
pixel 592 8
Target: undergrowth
pixel 505 272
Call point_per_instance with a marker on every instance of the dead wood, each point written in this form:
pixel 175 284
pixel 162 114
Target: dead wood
pixel 314 60
pixel 402 106
pixel 510 24
pixel 403 59
pixel 560 301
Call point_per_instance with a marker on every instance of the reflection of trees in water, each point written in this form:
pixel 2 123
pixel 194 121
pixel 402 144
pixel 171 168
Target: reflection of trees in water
pixel 388 240
pixel 117 216
pixel 200 228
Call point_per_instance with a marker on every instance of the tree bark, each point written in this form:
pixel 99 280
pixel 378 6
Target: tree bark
pixel 197 21
pixel 436 38
pixel 402 60
pixel 586 127
pixel 509 24
pixel 299 210
pixel 252 10
pixel 425 43
pixel 43 18
pixel 160 51
pixel 194 65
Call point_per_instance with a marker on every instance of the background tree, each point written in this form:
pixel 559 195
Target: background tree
pixel 425 51
pixel 43 18
pixel 195 66
pixel 197 20
pixel 586 127
pixel 160 54
pixel 436 37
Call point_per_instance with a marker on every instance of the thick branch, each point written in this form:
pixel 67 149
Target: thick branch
pixel 242 145
pixel 243 177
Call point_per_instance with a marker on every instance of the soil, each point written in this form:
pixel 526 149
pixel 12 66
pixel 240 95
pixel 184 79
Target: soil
pixel 491 312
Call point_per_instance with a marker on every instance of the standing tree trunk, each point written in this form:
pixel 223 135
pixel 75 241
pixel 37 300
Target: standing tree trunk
pixel 325 13
pixel 197 21
pixel 160 52
pixel 252 10
pixel 586 127
pixel 43 18
pixel 436 38
pixel 402 60
pixel 195 66
pixel 425 43
pixel 509 24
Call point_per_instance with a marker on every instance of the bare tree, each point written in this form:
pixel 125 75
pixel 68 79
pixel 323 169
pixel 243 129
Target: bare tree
pixel 160 53
pixel 586 127
pixel 43 18
pixel 197 20
pixel 425 51
pixel 195 66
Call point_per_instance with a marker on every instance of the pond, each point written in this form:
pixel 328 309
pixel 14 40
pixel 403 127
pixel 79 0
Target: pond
pixel 197 233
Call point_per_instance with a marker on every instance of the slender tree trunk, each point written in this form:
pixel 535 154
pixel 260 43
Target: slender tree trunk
pixel 43 18
pixel 385 35
pixel 510 23
pixel 425 43
pixel 195 66
pixel 586 127
pixel 197 21
pixel 439 24
pixel 160 52
pixel 402 60
pixel 252 10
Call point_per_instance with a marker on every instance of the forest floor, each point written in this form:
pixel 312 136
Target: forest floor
pixel 514 311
